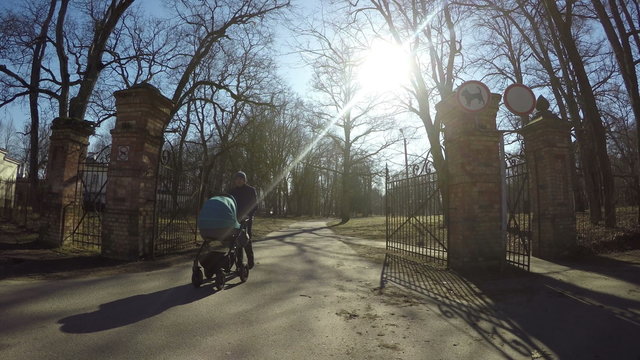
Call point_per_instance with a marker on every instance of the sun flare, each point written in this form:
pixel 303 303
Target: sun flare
pixel 385 67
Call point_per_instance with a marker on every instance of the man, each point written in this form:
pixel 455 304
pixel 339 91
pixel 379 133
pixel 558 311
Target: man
pixel 247 201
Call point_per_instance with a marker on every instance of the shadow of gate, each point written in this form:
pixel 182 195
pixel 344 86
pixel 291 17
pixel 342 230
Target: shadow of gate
pixel 459 299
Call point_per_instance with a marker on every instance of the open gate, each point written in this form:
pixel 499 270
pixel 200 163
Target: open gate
pixel 83 218
pixel 415 222
pixel 517 217
pixel 176 205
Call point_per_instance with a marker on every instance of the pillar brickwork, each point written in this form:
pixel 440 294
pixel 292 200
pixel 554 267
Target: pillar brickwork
pixel 548 152
pixel 142 115
pixel 472 145
pixel 68 147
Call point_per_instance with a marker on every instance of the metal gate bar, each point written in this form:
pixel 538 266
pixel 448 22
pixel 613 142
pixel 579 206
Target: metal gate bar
pixel 415 219
pixel 518 229
pixel 87 209
pixel 176 205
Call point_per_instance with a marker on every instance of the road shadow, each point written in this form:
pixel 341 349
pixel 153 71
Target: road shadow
pixel 15 266
pixel 527 315
pixel 132 309
pixel 293 232
pixel 609 267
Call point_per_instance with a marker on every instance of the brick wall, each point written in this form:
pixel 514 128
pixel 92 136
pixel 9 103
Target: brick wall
pixel 474 214
pixel 142 115
pixel 68 145
pixel 548 153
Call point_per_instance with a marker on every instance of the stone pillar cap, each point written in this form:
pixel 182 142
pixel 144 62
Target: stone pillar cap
pixel 82 126
pixel 144 87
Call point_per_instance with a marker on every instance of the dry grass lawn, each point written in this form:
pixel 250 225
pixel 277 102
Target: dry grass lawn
pixel 372 228
pixel 265 225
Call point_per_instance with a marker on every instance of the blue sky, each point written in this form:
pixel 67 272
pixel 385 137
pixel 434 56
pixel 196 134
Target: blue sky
pixel 290 68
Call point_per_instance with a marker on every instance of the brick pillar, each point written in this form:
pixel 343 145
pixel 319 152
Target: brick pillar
pixel 472 145
pixel 548 152
pixel 68 146
pixel 127 227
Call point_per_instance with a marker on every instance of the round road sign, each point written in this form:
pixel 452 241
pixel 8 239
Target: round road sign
pixel 473 96
pixel 519 99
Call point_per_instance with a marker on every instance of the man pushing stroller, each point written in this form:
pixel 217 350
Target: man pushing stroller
pixel 224 240
pixel 223 212
pixel 247 201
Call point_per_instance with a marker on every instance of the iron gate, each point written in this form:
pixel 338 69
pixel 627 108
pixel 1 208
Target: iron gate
pixel 83 218
pixel 517 229
pixel 415 223
pixel 176 205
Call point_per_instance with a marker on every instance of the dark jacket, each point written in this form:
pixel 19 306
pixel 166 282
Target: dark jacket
pixel 247 200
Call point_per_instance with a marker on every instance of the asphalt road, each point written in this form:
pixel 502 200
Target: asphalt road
pixel 310 296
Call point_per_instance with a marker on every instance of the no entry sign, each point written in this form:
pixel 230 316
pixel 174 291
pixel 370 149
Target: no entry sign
pixel 519 99
pixel 473 96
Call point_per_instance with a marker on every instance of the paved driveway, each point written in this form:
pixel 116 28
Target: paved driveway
pixel 310 297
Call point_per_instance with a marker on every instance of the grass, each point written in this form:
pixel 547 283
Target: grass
pixel 265 225
pixel 596 238
pixel 372 228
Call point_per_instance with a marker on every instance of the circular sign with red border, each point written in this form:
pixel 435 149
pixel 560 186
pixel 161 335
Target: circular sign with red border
pixel 473 96
pixel 519 99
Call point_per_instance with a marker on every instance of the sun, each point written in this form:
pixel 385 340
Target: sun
pixel 385 67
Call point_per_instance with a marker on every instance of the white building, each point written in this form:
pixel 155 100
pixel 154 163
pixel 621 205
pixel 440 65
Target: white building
pixel 8 174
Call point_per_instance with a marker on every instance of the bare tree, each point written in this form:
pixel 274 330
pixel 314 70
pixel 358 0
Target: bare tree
pixel 557 53
pixel 26 49
pixel 38 77
pixel 9 138
pixel 354 123
pixel 621 29
pixel 206 24
pixel 588 103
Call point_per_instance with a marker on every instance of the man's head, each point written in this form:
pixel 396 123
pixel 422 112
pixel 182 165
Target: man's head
pixel 240 178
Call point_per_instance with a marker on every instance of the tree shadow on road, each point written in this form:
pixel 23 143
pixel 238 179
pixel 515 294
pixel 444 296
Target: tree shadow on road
pixel 610 267
pixel 526 315
pixel 133 309
pixel 293 232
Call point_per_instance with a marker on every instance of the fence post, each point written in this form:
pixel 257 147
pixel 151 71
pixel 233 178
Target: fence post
pixel 142 115
pixel 547 147
pixel 68 145
pixel 474 185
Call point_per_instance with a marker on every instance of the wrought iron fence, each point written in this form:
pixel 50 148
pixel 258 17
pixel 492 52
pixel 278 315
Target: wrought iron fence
pixel 176 205
pixel 83 217
pixel 20 203
pixel 518 222
pixel 415 218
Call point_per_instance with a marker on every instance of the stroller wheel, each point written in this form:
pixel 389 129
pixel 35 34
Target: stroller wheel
pixel 208 274
pixel 243 272
pixel 196 277
pixel 220 280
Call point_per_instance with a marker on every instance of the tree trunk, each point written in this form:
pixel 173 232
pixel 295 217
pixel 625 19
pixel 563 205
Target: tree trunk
pixel 103 29
pixel 345 209
pixel 34 82
pixel 623 53
pixel 63 61
pixel 592 115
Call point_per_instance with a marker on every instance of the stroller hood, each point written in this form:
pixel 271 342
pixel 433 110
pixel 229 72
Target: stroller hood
pixel 218 212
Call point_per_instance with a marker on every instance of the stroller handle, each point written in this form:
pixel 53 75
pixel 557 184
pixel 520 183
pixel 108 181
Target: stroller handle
pixel 244 222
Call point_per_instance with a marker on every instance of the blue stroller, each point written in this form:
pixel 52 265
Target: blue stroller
pixel 223 243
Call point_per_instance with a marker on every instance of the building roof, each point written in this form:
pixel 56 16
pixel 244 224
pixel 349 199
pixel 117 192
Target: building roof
pixel 8 158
